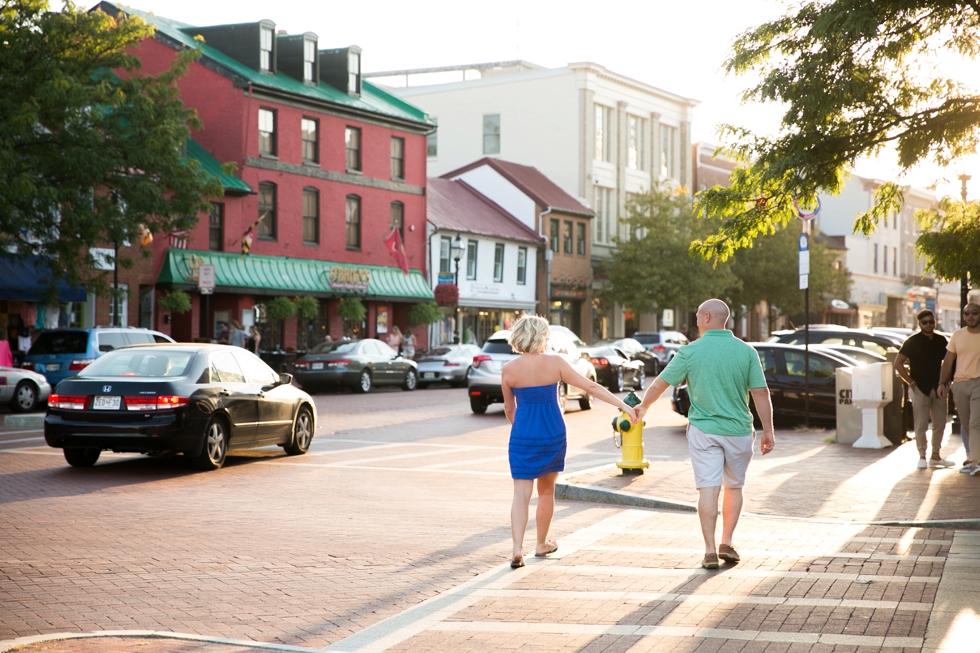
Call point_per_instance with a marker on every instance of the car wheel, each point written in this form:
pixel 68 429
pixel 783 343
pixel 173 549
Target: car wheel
pixel 25 397
pixel 477 405
pixel 364 385
pixel 586 402
pixel 215 446
pixel 641 378
pixel 302 433
pixel 82 457
pixel 562 396
pixel 616 385
pixel 411 380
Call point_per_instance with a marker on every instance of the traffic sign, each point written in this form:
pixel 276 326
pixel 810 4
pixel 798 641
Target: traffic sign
pixel 804 255
pixel 205 277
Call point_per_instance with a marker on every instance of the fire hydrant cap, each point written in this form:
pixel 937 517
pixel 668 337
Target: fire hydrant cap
pixel 631 400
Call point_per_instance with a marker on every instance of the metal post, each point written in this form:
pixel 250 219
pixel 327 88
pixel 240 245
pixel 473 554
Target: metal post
pixel 459 314
pixel 115 287
pixel 965 280
pixel 806 356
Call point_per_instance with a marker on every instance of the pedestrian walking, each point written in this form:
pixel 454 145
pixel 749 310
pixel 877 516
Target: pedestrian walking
pixel 395 338
pixel 408 344
pixel 537 437
pixel 963 351
pixel 924 351
pixel 721 371
pixel 253 342
pixel 237 336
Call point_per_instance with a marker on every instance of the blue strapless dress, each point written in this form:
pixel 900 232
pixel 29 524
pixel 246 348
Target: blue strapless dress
pixel 537 438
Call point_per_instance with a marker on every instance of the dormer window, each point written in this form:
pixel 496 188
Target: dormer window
pixel 354 73
pixel 265 50
pixel 309 60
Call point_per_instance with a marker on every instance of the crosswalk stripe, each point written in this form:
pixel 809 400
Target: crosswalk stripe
pixel 601 570
pixel 788 553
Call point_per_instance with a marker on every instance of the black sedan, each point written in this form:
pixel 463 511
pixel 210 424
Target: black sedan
pixel 615 370
pixel 785 375
pixel 203 401
pixel 635 350
pixel 357 364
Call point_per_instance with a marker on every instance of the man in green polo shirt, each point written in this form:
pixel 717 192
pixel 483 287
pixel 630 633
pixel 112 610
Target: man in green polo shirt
pixel 721 371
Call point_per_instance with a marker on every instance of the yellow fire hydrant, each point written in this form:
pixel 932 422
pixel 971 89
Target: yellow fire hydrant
pixel 629 437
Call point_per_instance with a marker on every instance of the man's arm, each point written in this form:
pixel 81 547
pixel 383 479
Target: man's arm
pixel 763 406
pixel 945 373
pixel 653 393
pixel 903 370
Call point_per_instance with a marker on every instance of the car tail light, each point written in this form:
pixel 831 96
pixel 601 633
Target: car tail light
pixel 448 364
pixel 600 362
pixel 475 393
pixel 28 365
pixel 66 402
pixel 338 363
pixel 80 364
pixel 659 349
pixel 302 365
pixel 480 359
pixel 154 403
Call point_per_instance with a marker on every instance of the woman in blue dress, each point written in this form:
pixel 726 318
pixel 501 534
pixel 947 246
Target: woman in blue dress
pixel 537 435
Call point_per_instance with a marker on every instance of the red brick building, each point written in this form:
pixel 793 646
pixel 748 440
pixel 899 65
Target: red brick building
pixel 327 164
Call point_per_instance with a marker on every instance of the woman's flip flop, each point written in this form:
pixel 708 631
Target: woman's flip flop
pixel 552 547
pixel 517 562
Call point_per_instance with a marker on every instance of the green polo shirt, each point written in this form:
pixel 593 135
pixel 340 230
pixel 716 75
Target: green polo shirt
pixel 720 370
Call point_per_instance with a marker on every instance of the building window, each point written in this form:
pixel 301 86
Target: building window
pixel 491 134
pixel 123 303
pixel 267 211
pixel 876 258
pixel 554 235
pixel 398 218
pixel 668 152
pixel 397 158
pixel 309 60
pixel 498 263
pixel 580 238
pixel 603 215
pixel 884 252
pixel 353 222
pixel 353 140
pixel 471 249
pixel 267 132
pixel 445 243
pixel 603 127
pixel 566 237
pixel 311 141
pixel 432 140
pixel 311 216
pixel 265 50
pixel 894 261
pixel 354 73
pixel 522 265
pixel 216 227
pixel 635 153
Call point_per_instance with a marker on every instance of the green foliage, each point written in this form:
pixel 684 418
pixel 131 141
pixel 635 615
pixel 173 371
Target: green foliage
pixel 352 309
pixel 280 308
pixel 307 307
pixel 655 268
pixel 950 239
pixel 767 271
pixel 176 301
pixel 424 313
pixel 854 78
pixel 89 148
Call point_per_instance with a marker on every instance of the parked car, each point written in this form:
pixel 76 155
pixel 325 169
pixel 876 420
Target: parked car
pixel 447 364
pixel 615 369
pixel 357 364
pixel 861 355
pixel 203 401
pixel 635 350
pixel 662 343
pixel 62 353
pixel 886 345
pixel 484 383
pixel 22 389
pixel 785 375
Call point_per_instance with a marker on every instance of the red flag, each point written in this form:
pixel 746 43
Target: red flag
pixel 397 249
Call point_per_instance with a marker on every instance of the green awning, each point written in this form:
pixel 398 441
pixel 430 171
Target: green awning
pixel 232 184
pixel 275 275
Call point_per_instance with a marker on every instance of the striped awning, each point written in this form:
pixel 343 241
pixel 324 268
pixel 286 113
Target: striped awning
pixel 275 275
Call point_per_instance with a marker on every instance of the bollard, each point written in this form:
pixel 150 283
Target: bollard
pixel 629 437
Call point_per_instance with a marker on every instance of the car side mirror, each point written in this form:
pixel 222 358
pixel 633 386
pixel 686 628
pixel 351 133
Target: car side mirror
pixel 285 379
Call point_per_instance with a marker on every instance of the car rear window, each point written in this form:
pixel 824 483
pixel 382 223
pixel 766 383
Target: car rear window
pixel 647 338
pixel 497 347
pixel 111 340
pixel 60 342
pixel 139 338
pixel 143 363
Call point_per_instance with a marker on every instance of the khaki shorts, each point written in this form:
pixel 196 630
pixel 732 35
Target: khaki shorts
pixel 719 459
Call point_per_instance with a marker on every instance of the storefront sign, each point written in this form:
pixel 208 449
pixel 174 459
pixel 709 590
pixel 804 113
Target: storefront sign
pixel 349 278
pixel 447 278
pixel 569 293
pixel 484 289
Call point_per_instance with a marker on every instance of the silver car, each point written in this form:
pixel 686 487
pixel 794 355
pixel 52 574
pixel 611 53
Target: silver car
pixel 484 383
pixel 23 390
pixel 664 344
pixel 447 364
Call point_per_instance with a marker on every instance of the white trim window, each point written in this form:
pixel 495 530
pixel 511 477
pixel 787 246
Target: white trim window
pixel 472 247
pixel 498 263
pixel 521 266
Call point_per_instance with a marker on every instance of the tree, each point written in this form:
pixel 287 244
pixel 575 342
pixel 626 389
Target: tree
pixel 88 157
pixel 767 271
pixel 654 268
pixel 855 78
pixel 950 239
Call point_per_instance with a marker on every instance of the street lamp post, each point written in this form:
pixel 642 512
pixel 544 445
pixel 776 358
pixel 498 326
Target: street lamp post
pixel 456 250
pixel 965 280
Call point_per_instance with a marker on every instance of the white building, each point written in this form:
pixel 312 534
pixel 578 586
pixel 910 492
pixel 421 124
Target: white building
pixel 597 134
pixel 495 257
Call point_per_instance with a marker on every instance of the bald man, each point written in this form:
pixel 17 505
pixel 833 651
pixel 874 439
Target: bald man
pixel 963 349
pixel 721 371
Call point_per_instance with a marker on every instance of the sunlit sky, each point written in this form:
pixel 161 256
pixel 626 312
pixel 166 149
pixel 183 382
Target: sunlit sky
pixel 677 46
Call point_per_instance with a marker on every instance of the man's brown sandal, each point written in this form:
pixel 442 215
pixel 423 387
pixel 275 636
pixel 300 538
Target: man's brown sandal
pixel 710 561
pixel 728 553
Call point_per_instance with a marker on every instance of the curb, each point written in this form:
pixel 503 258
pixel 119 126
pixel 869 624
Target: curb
pixel 13 644
pixel 33 421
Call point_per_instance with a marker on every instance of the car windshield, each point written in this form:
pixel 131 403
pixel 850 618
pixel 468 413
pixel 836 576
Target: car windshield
pixel 602 351
pixel 647 338
pixel 497 347
pixel 139 362
pixel 60 342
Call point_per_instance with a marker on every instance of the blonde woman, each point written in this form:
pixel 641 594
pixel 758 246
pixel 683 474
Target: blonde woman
pixel 395 338
pixel 537 436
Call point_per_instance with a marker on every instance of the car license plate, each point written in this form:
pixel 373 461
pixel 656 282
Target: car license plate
pixel 53 367
pixel 428 375
pixel 107 403
pixel 316 366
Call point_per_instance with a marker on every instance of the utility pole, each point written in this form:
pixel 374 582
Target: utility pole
pixel 965 280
